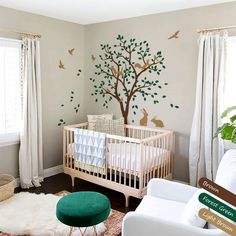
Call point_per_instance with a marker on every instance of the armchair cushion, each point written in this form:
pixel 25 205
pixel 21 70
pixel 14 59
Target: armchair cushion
pixel 226 173
pixel 190 214
pixel 161 208
pixel 170 190
pixel 138 224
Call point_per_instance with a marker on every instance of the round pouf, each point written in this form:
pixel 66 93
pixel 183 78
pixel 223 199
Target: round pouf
pixel 83 209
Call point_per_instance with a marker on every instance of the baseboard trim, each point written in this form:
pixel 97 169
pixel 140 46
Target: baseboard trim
pixel 46 172
pixel 53 171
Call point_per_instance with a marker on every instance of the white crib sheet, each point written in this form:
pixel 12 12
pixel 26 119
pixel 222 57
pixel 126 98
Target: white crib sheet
pixel 127 156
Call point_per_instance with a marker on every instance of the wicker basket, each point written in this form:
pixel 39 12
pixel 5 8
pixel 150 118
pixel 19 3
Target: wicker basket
pixel 7 186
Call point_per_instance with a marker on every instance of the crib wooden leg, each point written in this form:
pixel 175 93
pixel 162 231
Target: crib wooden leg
pixel 72 180
pixel 126 200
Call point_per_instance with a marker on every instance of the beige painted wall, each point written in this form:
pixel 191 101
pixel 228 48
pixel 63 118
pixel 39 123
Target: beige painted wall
pixel 9 160
pixel 57 37
pixel 180 59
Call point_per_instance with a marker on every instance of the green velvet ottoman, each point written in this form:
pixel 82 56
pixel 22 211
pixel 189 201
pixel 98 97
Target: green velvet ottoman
pixel 83 209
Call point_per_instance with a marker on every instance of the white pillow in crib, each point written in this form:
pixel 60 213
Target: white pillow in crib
pixel 115 127
pixel 190 214
pixel 93 118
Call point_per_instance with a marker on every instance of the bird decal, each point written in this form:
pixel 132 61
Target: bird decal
pixel 61 66
pixel 115 72
pixel 175 35
pixel 71 51
pixel 144 66
pixel 93 57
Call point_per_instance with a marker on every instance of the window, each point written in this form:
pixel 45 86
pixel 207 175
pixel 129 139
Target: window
pixel 10 90
pixel 230 82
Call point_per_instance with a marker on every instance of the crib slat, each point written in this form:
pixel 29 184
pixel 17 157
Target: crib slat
pixel 135 169
pixel 159 158
pixel 67 144
pixel 115 163
pixel 64 147
pixel 155 162
pixel 169 155
pixel 150 157
pixel 141 168
pixel 144 164
pixel 124 162
pixel 111 158
pixel 70 141
pixel 162 158
pixel 129 163
pixel 120 161
pixel 153 157
pixel 165 158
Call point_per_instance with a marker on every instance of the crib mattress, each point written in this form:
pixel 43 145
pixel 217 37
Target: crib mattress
pixel 126 157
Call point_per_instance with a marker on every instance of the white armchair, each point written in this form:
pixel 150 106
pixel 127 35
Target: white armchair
pixel 161 210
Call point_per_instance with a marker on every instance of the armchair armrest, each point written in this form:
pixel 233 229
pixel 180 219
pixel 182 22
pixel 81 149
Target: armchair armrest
pixel 141 225
pixel 170 190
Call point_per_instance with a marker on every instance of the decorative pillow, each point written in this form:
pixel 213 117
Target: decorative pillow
pixel 93 118
pixel 115 127
pixel 190 214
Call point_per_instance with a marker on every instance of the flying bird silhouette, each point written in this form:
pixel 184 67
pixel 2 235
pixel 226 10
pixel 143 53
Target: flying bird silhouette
pixel 61 66
pixel 71 51
pixel 175 35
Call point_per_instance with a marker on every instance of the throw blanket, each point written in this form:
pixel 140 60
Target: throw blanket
pixel 90 150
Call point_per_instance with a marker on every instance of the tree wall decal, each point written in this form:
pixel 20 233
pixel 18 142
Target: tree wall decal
pixel 122 74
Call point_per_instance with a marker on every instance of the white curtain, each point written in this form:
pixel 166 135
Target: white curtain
pixel 30 154
pixel 205 152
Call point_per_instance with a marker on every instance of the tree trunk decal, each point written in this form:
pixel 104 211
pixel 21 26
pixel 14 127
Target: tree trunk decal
pixel 123 69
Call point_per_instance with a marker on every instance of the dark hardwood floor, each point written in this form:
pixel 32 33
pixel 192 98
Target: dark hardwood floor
pixel 60 182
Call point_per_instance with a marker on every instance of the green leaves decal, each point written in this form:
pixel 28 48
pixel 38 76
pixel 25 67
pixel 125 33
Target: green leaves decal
pixel 72 94
pixel 174 106
pixel 77 108
pixel 79 72
pixel 61 122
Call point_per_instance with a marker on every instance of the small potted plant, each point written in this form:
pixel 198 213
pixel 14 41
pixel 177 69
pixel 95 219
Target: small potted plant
pixel 228 129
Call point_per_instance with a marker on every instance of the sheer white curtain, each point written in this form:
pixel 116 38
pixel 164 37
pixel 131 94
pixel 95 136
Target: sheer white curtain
pixel 30 155
pixel 205 152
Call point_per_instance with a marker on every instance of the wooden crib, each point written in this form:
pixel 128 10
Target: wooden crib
pixel 131 161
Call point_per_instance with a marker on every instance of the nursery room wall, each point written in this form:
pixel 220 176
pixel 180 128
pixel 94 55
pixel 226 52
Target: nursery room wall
pixel 175 109
pixel 177 98
pixel 62 89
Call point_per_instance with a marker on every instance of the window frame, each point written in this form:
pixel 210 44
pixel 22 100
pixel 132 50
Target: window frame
pixel 13 138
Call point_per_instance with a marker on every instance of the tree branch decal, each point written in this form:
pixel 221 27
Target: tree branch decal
pixel 122 74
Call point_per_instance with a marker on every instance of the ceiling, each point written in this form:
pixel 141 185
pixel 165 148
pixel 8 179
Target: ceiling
pixel 95 11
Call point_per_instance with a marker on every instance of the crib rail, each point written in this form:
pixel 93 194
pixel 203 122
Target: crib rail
pixel 131 161
pixel 161 167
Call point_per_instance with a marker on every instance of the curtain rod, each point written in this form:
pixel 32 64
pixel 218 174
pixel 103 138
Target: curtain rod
pixel 215 29
pixel 21 33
